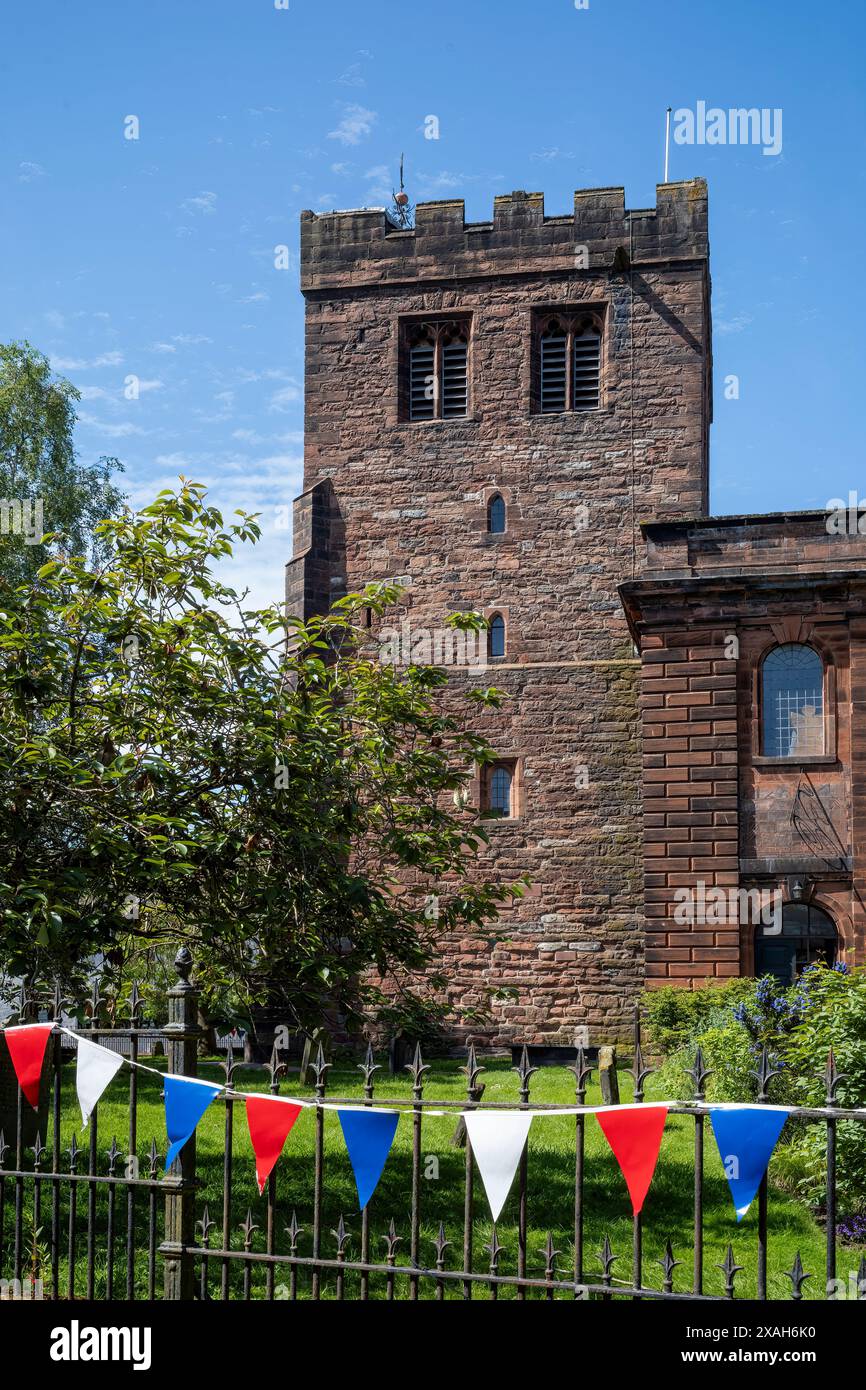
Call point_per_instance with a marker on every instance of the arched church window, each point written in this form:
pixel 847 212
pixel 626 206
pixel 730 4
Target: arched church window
pixel 792 702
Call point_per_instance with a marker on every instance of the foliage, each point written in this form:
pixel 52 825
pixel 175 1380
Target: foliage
pixel 38 462
pixel 675 1016
pixel 825 1009
pixel 175 767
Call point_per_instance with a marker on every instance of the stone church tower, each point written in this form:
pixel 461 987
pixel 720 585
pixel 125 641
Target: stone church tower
pixel 492 409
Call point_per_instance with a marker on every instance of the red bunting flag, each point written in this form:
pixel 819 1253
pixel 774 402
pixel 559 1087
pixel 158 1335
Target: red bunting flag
pixel 27 1046
pixel 269 1120
pixel 635 1136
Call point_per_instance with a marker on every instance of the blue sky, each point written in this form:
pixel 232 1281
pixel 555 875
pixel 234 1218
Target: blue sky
pixel 155 257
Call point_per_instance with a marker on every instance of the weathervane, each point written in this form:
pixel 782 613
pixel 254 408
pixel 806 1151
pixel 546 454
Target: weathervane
pixel 402 213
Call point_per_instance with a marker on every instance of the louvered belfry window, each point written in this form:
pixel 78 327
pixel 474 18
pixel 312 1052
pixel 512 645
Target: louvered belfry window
pixel 569 364
pixel 438 385
pixel 422 404
pixel 554 373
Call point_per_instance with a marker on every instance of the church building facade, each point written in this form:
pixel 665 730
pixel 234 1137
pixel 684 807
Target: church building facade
pixel 513 417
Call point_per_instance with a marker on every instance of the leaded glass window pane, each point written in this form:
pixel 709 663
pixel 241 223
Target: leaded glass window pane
pixel 792 702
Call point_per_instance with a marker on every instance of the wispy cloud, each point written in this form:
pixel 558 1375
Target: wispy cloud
pixel 381 183
pixel 83 364
pixel 121 430
pixel 356 124
pixel 204 203
pixel 547 156
pixel 29 172
pixel 442 182
pixel 282 399
pixel 735 324
pixel 351 77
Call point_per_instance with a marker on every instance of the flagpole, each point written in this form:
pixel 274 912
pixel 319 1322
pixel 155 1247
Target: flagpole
pixel 667 142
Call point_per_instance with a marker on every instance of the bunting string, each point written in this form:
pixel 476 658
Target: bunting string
pixel 746 1134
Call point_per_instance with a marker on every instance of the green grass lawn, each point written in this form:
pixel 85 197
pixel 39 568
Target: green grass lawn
pixel 667 1212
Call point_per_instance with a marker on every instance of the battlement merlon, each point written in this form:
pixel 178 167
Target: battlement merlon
pixel 361 247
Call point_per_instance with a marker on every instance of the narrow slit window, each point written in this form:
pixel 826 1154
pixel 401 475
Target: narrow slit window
pixel 496 515
pixel 496 636
pixel 500 791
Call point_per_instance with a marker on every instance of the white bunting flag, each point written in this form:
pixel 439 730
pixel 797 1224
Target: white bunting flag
pixel 498 1138
pixel 96 1067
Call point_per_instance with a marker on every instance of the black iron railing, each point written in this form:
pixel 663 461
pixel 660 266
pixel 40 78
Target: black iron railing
pixel 98 1222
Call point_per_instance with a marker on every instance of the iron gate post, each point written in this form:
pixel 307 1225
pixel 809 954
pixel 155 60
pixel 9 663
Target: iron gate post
pixel 181 1035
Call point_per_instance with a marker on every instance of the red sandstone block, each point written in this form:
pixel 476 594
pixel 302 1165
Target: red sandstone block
pixel 684 969
pixel 662 716
pixel 726 682
pixel 699 759
pixel 690 697
pixel 666 774
pixel 655 970
pixel 716 953
pixel 719 861
pixel 653 685
pixel 669 953
pixel 729 970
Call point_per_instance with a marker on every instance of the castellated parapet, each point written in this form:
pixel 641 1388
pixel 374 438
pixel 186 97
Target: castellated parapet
pixel 363 246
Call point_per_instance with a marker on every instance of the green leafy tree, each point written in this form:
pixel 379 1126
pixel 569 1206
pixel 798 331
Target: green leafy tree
pixel 44 487
pixel 173 766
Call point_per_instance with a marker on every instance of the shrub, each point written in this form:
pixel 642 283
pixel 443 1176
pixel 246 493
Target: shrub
pixel 677 1016
pixel 824 1009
